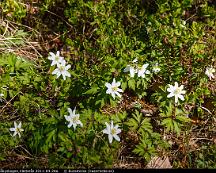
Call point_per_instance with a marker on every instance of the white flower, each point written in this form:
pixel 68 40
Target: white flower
pixel 156 68
pixel 143 70
pixel 56 59
pixel 209 72
pixel 62 70
pixel 73 118
pixel 112 131
pixel 135 60
pixel 1 97
pixel 113 88
pixel 131 69
pixel 17 129
pixel 176 91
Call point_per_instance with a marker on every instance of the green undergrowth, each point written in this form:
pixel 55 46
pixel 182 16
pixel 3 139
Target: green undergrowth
pixel 99 39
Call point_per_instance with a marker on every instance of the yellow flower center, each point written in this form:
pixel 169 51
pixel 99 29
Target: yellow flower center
pixel 177 91
pixel 75 119
pixel 57 58
pixel 61 68
pixel 115 88
pixel 113 131
pixel 18 130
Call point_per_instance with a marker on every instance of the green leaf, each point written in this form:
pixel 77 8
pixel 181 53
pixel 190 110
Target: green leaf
pixel 50 136
pixel 131 84
pixel 146 125
pixel 182 118
pixel 63 137
pixel 176 127
pixel 168 123
pixel 93 90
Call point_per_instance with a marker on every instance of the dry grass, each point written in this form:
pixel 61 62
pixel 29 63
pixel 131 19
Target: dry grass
pixel 34 46
pixel 21 45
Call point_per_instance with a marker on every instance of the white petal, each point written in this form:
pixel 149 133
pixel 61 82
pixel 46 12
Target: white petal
pixel 132 72
pixel 63 63
pixel 74 112
pixel 70 124
pixel 108 91
pixel 181 87
pixel 183 92
pixel 117 93
pixel 147 72
pixel 53 63
pixel 127 68
pixel 138 74
pixel 111 125
pixel 20 124
pixel 106 131
pixel 108 85
pixel 55 71
pixel 52 55
pixel 113 95
pixel 170 95
pixel 135 60
pixel 114 81
pixel 107 125
pixel 15 125
pixel 67 117
pixel 118 84
pixel 116 137
pixel 57 53
pixel 181 97
pixel 66 73
pixel 176 85
pixel 67 67
pixel 143 75
pixel 19 135
pixel 58 74
pixel 119 90
pixel 110 138
pixel 118 131
pixel 14 133
pixel 70 111
pixel 176 99
pixel 63 76
pixel 12 129
pixel 80 123
pixel 170 89
pixel 74 126
pixel 145 66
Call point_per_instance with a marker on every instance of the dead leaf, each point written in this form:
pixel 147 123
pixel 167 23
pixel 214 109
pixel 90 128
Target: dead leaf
pixel 158 162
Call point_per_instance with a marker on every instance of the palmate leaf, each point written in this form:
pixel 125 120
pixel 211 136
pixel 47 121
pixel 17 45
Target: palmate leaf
pixel 176 127
pixel 137 123
pixel 133 124
pixel 63 137
pixel 145 149
pixel 168 111
pixel 145 126
pixel 51 136
pixel 174 124
pixel 92 90
pixel 168 123
pixel 182 118
pixel 131 84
